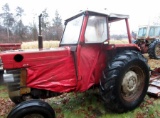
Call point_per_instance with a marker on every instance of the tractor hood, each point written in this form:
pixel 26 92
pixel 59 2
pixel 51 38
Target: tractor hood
pixel 48 69
pixel 28 58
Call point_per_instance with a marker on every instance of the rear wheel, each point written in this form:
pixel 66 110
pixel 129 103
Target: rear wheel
pixel 125 81
pixel 154 49
pixel 32 109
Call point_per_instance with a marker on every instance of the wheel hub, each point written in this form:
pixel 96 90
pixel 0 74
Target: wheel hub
pixel 129 83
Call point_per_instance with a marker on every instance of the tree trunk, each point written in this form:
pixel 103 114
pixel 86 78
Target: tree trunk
pixel 8 33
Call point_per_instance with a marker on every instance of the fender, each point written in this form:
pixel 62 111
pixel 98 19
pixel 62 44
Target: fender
pixel 121 47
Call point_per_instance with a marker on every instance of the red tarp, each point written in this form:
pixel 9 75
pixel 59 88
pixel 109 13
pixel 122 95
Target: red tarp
pixel 57 75
pixel 91 64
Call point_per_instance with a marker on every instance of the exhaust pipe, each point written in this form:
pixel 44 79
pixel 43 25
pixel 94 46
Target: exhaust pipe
pixel 40 40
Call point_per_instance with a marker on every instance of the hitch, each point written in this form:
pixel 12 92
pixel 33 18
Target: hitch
pixel 154 84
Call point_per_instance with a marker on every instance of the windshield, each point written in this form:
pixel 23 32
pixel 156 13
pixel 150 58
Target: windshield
pixel 154 31
pixel 96 31
pixel 142 32
pixel 72 31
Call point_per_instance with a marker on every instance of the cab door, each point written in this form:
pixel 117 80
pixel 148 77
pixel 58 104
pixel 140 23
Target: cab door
pixel 91 57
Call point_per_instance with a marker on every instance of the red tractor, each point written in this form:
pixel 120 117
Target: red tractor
pixel 148 40
pixel 84 59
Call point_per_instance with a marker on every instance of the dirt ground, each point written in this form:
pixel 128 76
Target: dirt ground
pixel 153 63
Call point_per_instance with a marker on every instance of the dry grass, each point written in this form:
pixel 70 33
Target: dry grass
pixel 34 44
pixel 52 44
pixel 123 41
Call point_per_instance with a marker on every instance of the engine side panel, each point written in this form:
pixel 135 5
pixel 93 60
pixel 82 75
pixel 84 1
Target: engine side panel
pixel 57 75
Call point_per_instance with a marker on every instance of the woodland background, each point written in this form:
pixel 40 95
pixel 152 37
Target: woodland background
pixel 13 29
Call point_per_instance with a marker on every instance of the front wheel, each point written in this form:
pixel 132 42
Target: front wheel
pixel 154 49
pixel 32 109
pixel 125 81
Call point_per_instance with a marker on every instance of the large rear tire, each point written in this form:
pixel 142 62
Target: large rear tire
pixel 125 81
pixel 32 109
pixel 154 49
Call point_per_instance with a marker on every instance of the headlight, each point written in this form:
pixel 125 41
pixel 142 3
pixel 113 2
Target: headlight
pixel 11 76
pixel 8 78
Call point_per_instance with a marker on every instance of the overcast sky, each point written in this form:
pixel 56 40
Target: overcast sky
pixel 141 12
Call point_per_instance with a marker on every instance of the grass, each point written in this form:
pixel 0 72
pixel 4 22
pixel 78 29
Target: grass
pixel 90 105
pixel 3 92
pixel 123 41
pixel 87 105
pixel 5 104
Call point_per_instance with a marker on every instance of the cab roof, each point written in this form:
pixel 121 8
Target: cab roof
pixel 111 16
pixel 141 26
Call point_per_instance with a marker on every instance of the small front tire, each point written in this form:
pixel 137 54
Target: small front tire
pixel 32 109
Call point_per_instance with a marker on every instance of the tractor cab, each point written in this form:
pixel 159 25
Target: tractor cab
pixel 87 35
pixel 90 27
pixel 148 32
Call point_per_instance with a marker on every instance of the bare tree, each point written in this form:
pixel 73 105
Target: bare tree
pixel 19 26
pixel 8 19
pixel 19 12
pixel 45 16
pixel 45 24
pixel 57 26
